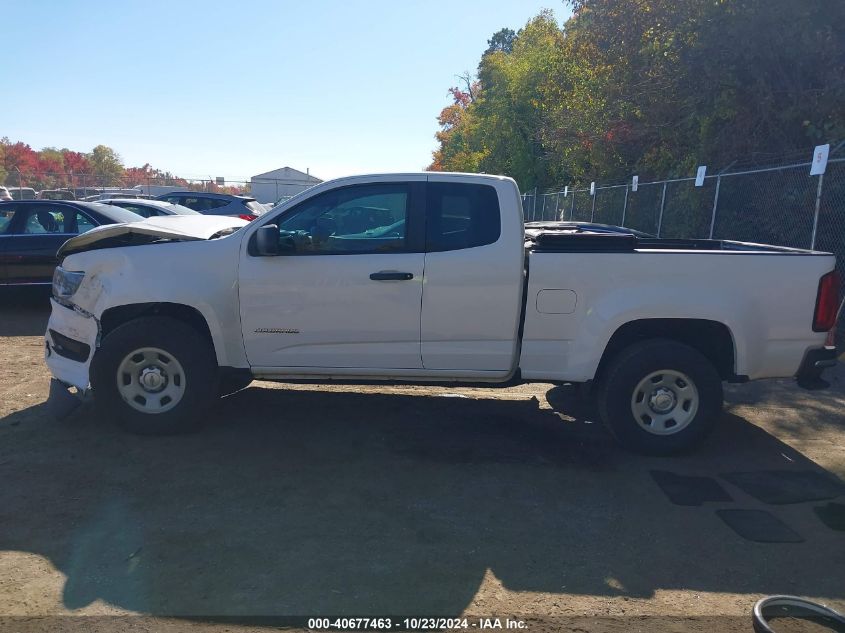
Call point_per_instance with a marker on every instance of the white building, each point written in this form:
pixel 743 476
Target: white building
pixel 280 183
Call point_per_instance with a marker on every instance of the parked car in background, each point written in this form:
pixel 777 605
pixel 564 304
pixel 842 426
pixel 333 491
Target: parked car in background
pixel 150 208
pixel 115 194
pixel 4 194
pixel 83 192
pixel 56 194
pixel 22 193
pixel 32 231
pixel 242 207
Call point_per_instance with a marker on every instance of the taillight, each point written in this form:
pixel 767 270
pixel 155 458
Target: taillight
pixel 247 216
pixel 827 302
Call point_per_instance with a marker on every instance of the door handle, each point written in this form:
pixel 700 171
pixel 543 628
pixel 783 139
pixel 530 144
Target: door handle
pixel 389 275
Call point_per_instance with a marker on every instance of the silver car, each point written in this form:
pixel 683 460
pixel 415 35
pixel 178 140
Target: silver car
pixel 149 208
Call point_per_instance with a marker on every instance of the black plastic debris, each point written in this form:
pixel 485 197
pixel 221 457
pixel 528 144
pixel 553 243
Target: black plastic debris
pixel 832 515
pixel 759 526
pixel 779 487
pixel 684 490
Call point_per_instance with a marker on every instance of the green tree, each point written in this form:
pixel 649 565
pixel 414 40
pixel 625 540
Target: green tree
pixel 659 86
pixel 106 165
pixel 653 87
pixel 499 129
pixel 502 40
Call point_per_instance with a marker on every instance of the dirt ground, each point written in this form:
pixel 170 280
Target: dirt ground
pixel 344 500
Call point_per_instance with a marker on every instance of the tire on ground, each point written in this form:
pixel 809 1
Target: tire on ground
pixel 617 400
pixel 184 344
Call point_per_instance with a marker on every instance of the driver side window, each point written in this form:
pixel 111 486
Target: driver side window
pixel 356 219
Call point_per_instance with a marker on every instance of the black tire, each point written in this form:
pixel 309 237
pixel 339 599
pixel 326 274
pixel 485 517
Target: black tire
pixel 616 392
pixel 191 350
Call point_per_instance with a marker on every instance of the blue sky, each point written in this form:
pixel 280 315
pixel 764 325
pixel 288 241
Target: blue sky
pixel 234 89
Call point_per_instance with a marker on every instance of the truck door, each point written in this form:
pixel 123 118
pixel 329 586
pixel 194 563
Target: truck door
pixel 347 288
pixel 472 295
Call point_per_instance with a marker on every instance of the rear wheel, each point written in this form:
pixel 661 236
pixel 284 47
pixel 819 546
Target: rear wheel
pixel 155 375
pixel 660 397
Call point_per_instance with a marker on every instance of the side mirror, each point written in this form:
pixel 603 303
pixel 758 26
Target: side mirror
pixel 267 240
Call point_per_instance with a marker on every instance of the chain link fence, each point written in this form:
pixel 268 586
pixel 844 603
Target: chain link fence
pixel 780 205
pixel 26 184
pixel 56 185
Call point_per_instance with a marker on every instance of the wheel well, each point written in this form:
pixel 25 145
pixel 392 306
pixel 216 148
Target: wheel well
pixel 711 338
pixel 114 317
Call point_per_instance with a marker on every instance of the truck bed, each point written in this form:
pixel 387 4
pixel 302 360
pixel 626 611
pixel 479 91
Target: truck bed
pixel 589 278
pixel 582 237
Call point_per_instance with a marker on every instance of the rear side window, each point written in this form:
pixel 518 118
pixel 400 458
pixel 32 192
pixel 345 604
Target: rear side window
pixel 461 215
pixel 49 219
pixel 204 205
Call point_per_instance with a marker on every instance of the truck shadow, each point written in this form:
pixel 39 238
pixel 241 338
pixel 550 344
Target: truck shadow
pixel 301 502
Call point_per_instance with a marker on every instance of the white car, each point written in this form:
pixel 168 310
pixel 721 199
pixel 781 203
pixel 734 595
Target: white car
pixel 431 277
pixel 4 194
pixel 149 208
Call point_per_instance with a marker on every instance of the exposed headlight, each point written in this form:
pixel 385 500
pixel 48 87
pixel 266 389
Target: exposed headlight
pixel 65 282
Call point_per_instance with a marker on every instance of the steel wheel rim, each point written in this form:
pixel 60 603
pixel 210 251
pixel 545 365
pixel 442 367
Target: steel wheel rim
pixel 664 402
pixel 150 380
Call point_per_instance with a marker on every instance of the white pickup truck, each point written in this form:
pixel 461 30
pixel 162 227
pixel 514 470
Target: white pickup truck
pixel 431 277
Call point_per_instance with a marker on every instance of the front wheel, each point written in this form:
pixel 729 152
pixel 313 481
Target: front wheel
pixel 660 397
pixel 155 376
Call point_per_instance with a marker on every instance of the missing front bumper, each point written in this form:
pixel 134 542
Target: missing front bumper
pixel 71 339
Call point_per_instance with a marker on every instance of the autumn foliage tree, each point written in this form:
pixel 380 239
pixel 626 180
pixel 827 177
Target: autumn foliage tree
pixel 653 87
pixel 459 147
pixel 52 168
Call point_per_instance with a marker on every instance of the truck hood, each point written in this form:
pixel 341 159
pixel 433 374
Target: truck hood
pixel 166 228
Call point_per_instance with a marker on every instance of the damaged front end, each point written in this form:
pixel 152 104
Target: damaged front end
pixel 72 337
pixel 92 265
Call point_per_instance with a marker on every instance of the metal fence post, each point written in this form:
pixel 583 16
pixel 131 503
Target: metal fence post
pixel 534 205
pixel 625 205
pixel 543 209
pixel 715 204
pixel 572 210
pixel 662 204
pixel 816 214
pixel 593 212
pixel 557 206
